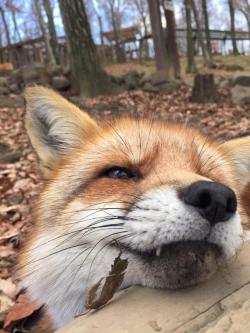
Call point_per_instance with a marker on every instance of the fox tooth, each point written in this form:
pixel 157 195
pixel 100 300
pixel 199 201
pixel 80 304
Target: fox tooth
pixel 158 251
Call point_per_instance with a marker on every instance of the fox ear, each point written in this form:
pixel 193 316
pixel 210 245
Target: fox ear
pixel 238 150
pixel 55 126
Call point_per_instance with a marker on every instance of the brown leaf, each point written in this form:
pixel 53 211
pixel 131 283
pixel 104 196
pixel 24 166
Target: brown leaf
pixel 23 308
pixel 111 284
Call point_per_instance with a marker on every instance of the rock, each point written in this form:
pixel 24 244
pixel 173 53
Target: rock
pixel 7 155
pixel 224 83
pixel 54 70
pixel 4 81
pixel 14 88
pixel 169 87
pixel 189 81
pixel 67 71
pixel 16 76
pixel 36 73
pixel 60 83
pixel 132 80
pixel 15 198
pixel 117 79
pixel 4 91
pixel 149 87
pixel 12 101
pixel 240 94
pixel 158 77
pixel 241 80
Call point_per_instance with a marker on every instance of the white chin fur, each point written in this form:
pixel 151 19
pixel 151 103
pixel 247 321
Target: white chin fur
pixel 160 217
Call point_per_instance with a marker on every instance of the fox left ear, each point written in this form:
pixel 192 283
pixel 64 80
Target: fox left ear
pixel 238 150
pixel 55 126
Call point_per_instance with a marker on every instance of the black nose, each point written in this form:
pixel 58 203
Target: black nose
pixel 215 202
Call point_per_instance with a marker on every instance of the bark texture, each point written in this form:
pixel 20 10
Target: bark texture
pixel 52 29
pixel 191 67
pixel 204 90
pixel 199 33
pixel 158 35
pixel 207 31
pixel 232 22
pixel 51 57
pixel 172 49
pixel 89 78
pixel 6 28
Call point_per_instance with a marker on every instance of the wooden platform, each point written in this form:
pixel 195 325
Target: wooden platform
pixel 219 305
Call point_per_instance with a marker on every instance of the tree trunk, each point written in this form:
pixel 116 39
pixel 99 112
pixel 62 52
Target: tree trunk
pixel 145 34
pixel 13 14
pixel 100 29
pixel 48 47
pixel 207 30
pixel 172 48
pixel 52 29
pixel 119 51
pixel 199 33
pixel 204 90
pixel 191 67
pixel 158 35
pixel 6 28
pixel 232 22
pixel 88 75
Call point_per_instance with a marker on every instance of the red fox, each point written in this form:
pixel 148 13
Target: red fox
pixel 163 194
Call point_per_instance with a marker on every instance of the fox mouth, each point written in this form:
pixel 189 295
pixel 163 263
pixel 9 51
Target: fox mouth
pixel 180 264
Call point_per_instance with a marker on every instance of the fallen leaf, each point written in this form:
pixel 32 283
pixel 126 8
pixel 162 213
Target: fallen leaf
pixel 110 286
pixel 23 308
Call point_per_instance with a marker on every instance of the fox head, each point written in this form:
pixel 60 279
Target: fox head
pixel 163 194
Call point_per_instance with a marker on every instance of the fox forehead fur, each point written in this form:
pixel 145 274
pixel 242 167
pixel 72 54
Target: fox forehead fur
pixel 83 211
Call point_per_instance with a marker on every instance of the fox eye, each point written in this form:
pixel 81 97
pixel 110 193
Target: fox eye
pixel 121 173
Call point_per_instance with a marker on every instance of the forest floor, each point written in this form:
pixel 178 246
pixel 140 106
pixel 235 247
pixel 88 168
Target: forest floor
pixel 225 66
pixel 20 181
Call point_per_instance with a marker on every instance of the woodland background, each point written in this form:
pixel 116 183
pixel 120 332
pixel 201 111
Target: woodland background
pixel 178 60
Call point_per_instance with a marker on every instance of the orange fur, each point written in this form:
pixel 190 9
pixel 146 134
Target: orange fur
pixel 163 153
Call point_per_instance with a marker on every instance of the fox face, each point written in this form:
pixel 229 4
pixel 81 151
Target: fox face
pixel 163 194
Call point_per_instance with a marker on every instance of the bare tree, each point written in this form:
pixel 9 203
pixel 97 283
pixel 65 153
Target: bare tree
pixel 207 30
pixel 158 36
pixel 141 7
pixel 14 10
pixel 231 4
pixel 6 28
pixel 191 67
pixel 244 7
pixel 51 57
pixel 89 78
pixel 114 10
pixel 172 49
pixel 199 33
pixel 52 29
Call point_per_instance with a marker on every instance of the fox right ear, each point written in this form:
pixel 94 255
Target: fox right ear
pixel 55 126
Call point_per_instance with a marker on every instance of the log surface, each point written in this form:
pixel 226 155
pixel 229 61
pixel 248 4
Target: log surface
pixel 221 304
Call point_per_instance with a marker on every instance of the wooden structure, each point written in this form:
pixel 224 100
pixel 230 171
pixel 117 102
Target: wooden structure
pixel 221 304
pixel 33 51
pixel 127 38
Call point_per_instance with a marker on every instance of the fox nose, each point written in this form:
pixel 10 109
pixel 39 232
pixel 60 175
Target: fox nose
pixel 214 201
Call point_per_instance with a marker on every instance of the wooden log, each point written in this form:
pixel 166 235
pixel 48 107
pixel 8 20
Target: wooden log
pixel 220 303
